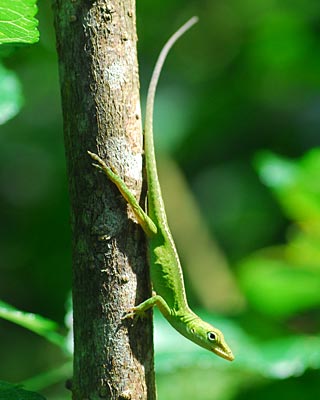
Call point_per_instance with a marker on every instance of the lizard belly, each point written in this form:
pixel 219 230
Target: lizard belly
pixel 166 275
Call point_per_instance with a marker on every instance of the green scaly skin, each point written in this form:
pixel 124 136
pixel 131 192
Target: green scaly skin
pixel 166 273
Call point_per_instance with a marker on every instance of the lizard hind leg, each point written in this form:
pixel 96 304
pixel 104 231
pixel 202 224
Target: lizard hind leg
pixel 144 220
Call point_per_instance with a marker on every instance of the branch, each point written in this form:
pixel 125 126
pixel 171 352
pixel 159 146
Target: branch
pixel 96 44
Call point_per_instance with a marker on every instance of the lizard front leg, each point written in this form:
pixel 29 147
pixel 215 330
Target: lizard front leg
pixel 139 311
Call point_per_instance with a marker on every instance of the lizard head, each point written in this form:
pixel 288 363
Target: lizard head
pixel 209 337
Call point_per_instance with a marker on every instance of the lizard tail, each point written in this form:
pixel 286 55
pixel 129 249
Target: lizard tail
pixel 154 191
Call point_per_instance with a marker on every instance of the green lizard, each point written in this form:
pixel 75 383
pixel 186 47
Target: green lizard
pixel 166 273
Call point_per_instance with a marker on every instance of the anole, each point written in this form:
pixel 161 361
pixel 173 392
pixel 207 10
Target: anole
pixel 166 274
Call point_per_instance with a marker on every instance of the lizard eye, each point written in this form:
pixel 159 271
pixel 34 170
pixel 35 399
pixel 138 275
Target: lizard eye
pixel 212 336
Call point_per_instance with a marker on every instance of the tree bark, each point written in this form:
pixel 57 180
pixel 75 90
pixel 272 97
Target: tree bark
pixel 96 42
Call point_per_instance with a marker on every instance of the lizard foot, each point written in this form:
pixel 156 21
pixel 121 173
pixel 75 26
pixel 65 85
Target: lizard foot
pixel 134 313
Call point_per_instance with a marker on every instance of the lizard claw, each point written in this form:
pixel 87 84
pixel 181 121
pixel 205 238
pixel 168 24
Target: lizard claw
pixel 97 166
pixel 102 165
pixel 95 157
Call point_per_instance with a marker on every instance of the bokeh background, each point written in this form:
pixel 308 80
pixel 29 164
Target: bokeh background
pixel 237 132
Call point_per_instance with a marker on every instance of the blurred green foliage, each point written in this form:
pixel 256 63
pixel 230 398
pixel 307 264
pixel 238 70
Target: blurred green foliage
pixel 14 392
pixel 238 108
pixel 289 274
pixel 11 95
pixel 35 323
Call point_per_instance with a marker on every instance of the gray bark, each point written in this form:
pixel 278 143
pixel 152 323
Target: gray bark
pixel 96 42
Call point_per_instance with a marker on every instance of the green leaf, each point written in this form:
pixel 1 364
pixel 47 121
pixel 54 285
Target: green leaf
pixel 295 183
pixel 17 22
pixel 35 323
pixel 284 280
pixel 48 378
pixel 11 98
pixel 277 288
pixel 9 391
pixel 276 172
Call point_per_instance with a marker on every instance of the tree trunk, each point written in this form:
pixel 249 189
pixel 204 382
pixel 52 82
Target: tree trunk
pixel 96 42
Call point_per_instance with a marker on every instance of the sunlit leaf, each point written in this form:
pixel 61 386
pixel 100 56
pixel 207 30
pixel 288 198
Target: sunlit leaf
pixel 35 323
pixel 9 391
pixel 276 172
pixel 276 288
pixel 303 250
pixel 10 95
pixel 285 280
pixel 17 22
pixel 296 183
